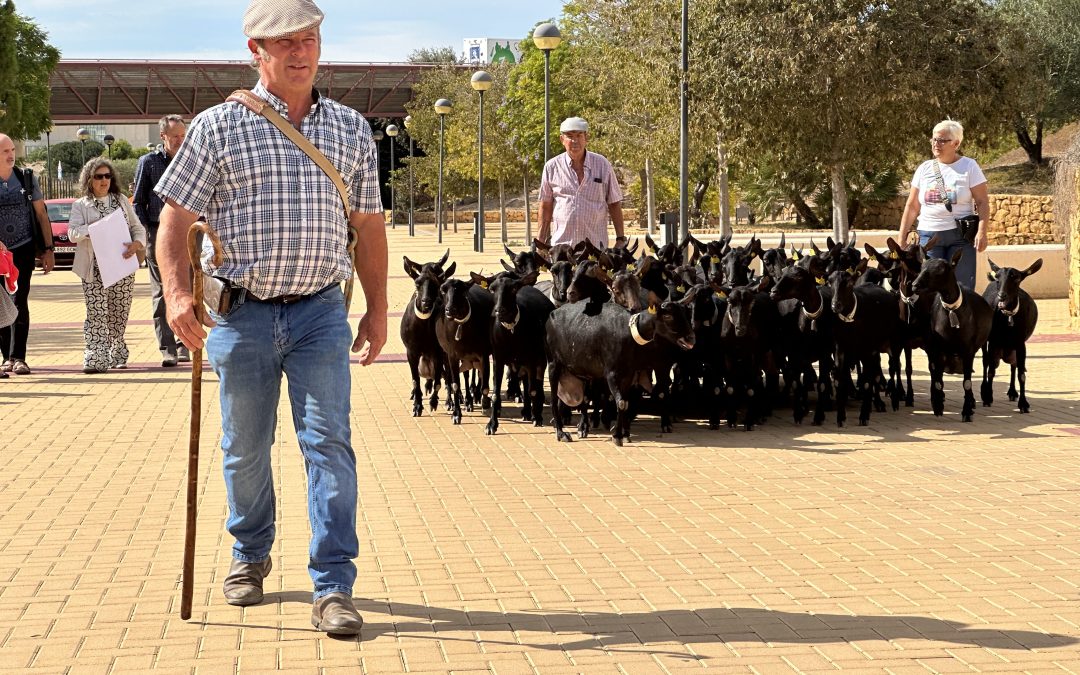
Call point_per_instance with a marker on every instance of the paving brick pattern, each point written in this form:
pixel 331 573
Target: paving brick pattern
pixel 916 544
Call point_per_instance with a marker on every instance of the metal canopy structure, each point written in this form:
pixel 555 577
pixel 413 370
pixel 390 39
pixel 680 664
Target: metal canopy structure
pixel 132 92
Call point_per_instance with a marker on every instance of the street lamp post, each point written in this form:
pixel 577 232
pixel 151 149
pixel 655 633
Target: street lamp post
pixel 443 106
pixel 377 136
pixel 392 132
pixel 481 82
pixel 684 125
pixel 412 224
pixel 49 187
pixel 83 136
pixel 109 140
pixel 546 37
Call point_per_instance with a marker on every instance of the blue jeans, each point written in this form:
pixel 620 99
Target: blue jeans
pixel 949 242
pixel 308 342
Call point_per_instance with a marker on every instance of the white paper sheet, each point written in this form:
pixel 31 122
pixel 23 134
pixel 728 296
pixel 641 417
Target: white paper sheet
pixel 109 236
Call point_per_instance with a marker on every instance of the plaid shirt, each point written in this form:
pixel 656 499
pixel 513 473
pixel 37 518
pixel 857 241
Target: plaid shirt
pixel 279 217
pixel 147 204
pixel 581 209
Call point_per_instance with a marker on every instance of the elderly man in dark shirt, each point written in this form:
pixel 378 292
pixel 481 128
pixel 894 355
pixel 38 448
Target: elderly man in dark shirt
pixel 148 207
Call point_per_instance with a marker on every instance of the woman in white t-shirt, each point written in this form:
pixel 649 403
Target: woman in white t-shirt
pixel 965 191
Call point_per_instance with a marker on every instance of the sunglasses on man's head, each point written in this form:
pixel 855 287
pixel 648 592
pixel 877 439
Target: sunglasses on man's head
pixel 102 176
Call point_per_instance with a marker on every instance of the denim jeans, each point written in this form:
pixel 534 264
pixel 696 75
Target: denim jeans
pixel 307 341
pixel 949 242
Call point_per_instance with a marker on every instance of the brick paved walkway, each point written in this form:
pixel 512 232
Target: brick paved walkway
pixel 916 544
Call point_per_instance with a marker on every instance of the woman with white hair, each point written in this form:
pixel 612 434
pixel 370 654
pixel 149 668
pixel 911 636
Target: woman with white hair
pixel 945 189
pixel 107 309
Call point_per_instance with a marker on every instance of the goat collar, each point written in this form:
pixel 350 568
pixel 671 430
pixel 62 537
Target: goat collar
pixel 511 326
pixel 1011 312
pixel 820 309
pixel 952 306
pixel 467 316
pixel 848 318
pixel 635 333
pixel 418 313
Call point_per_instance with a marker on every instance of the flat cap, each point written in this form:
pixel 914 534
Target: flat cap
pixel 267 19
pixel 573 124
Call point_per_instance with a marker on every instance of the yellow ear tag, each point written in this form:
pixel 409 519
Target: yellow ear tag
pixel 664 276
pixel 798 256
pixel 722 295
pixel 652 309
pixel 680 288
pixel 592 258
pixel 715 259
pixel 892 254
pixel 851 271
pixel 631 267
pixel 543 268
pixel 483 283
pixel 820 281
pixel 811 254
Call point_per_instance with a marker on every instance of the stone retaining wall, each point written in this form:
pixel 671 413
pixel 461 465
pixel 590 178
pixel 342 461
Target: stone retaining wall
pixel 1014 219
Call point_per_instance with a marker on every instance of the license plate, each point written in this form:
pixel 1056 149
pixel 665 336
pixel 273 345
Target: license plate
pixel 65 249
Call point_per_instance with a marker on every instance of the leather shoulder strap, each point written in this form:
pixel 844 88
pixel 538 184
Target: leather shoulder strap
pixel 261 107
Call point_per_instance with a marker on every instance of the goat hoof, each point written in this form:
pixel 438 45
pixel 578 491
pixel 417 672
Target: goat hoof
pixel 562 437
pixel 1024 408
pixel 863 423
pixel 418 412
pixel 714 426
pixel 538 422
pixel 966 417
pixel 490 429
pixel 617 440
pixel 456 419
pixel 665 428
pixel 1013 396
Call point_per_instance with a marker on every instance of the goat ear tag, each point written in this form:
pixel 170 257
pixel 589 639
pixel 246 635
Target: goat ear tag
pixel 543 268
pixel 811 254
pixel 652 309
pixel 715 259
pixel 820 281
pixel 680 288
pixel 483 283
pixel 592 258
pixel 664 276
pixel 892 255
pixel 722 295
pixel 631 267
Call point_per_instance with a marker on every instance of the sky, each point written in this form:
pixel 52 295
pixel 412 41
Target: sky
pixel 211 29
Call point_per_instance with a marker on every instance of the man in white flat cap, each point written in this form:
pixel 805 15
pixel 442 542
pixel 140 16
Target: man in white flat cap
pixel 284 235
pixel 579 192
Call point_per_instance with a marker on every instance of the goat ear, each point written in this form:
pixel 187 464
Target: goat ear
pixel 870 250
pixel 830 243
pixel 632 250
pixel 861 267
pixel 690 294
pixel 506 266
pixel 955 260
pixel 782 241
pixel 764 283
pixel 446 256
pixel 509 253
pixel 1035 267
pixel 931 244
pixel 530 278
pixel 650 245
pixel 411 268
pixel 893 246
pixel 475 278
pixel 539 245
pixel 449 271
pixel 993 268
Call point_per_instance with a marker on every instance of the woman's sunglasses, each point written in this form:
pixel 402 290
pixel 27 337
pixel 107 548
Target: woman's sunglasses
pixel 102 176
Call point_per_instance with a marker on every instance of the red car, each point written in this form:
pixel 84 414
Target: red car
pixel 59 214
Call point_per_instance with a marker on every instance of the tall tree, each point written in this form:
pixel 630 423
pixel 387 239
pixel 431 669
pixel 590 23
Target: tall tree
pixel 27 60
pixel 433 55
pixel 1043 43
pixel 849 85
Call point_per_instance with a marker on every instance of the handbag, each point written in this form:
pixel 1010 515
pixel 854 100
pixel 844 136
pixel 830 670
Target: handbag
pixel 968 225
pixel 8 311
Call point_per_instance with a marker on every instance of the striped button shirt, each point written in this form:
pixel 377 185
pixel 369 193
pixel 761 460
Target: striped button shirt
pixel 581 209
pixel 279 217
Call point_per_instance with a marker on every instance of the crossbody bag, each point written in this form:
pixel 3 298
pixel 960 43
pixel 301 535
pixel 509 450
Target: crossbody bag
pixel 968 225
pixel 260 107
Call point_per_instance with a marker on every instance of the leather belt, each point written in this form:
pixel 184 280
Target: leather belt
pixel 244 295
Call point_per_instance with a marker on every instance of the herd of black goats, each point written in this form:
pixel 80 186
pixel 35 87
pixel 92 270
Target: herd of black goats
pixel 693 327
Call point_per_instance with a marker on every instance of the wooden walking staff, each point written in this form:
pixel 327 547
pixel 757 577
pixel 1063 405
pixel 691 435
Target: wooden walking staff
pixel 186 588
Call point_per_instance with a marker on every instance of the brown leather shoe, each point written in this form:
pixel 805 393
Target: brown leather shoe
pixel 244 585
pixel 336 615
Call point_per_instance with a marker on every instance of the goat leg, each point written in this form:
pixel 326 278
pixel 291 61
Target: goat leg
pixel 937 387
pixel 969 395
pixel 455 375
pixel 416 396
pixel 557 407
pixel 986 391
pixel 909 397
pixel 536 389
pixel 496 406
pixel 1021 370
pixel 1012 384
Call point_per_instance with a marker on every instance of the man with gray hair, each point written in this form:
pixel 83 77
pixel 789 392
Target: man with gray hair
pixel 148 205
pixel 579 192
pixel 284 234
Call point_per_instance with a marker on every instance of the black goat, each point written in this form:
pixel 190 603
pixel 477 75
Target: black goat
pixel 517 342
pixel 960 323
pixel 1015 316
pixel 812 341
pixel 749 327
pixel 426 358
pixel 614 346
pixel 464 332
pixel 866 324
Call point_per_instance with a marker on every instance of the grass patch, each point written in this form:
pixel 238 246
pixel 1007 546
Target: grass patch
pixel 1021 179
